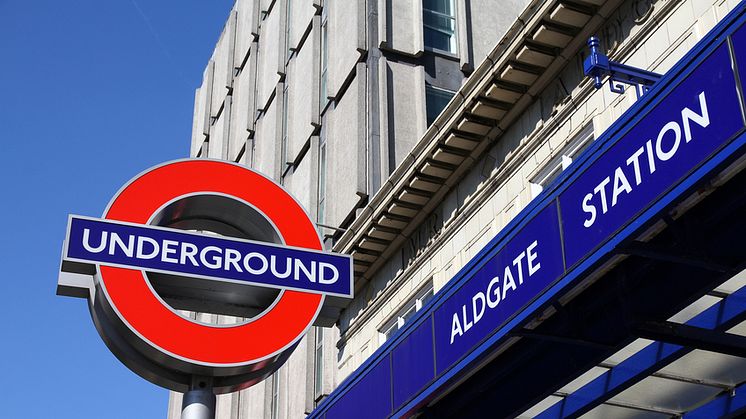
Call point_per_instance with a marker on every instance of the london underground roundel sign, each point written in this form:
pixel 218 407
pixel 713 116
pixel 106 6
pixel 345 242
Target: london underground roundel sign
pixel 202 236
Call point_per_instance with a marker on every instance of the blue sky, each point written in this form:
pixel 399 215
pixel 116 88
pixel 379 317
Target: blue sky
pixel 91 93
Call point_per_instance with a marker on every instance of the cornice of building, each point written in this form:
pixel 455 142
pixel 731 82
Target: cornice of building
pixel 621 51
pixel 529 56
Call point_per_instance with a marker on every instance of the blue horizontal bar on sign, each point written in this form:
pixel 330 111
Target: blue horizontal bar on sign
pixel 682 131
pixel 165 250
pixel 368 398
pixel 413 363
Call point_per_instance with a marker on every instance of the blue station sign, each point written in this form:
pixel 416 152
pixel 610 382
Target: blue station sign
pixel 519 271
pixel 171 251
pixel 693 117
pixel 693 121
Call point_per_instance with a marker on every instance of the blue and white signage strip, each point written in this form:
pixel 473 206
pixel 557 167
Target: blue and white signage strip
pixel 681 132
pixel 523 268
pixel 165 250
pixel 678 135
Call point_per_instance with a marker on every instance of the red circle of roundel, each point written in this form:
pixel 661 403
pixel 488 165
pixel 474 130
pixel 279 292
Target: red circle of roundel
pixel 135 303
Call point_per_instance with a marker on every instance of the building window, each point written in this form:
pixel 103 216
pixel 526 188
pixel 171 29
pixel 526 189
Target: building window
pixel 318 366
pixel 436 100
pixel 252 147
pixel 323 99
pixel 561 161
pixel 284 143
pixel 322 175
pixel 275 396
pixel 412 306
pixel 288 29
pixel 439 25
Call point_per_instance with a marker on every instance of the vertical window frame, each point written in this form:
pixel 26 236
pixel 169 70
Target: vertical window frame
pixel 274 412
pixel 284 143
pixel 324 60
pixel 323 164
pixel 453 42
pixel 289 50
pixel 318 356
pixel 431 91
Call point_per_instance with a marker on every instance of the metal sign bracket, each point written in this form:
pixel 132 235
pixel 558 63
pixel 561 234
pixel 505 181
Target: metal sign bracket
pixel 598 65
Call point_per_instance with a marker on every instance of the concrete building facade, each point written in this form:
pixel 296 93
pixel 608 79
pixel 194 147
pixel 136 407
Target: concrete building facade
pixel 328 97
pixel 413 132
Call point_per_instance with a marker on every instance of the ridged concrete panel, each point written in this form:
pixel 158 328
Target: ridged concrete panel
pixel 242 111
pixel 400 26
pixel 223 63
pixel 488 25
pixel 265 140
pixel 406 108
pixel 197 119
pixel 269 56
pixel 301 15
pixel 297 181
pixel 344 124
pixel 217 138
pixel 246 26
pixel 345 20
pixel 301 99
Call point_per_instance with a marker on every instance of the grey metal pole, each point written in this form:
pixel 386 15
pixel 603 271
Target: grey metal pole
pixel 199 401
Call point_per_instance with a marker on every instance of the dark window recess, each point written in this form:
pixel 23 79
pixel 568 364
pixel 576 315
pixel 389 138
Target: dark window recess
pixel 439 24
pixel 435 101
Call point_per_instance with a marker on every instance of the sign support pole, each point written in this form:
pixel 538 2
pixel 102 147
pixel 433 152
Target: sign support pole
pixel 199 401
